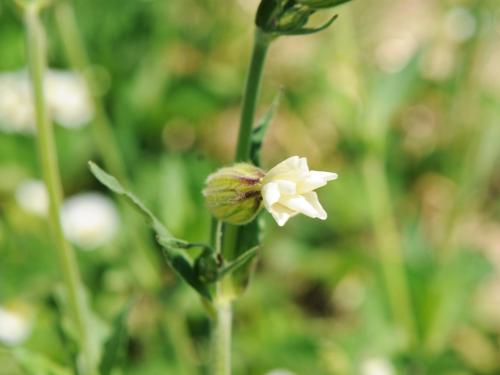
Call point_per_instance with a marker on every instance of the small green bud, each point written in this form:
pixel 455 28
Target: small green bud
pixel 322 4
pixel 233 194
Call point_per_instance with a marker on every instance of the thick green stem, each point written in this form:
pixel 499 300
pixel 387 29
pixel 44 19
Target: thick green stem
pixel 252 88
pixel 222 338
pixel 48 159
pixel 77 55
pixel 251 95
pixel 224 289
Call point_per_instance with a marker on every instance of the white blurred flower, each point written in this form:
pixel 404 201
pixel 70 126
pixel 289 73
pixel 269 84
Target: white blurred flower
pixel 66 94
pixel 288 190
pixel 377 366
pixel 68 99
pixel 89 220
pixel 280 371
pixel 32 196
pixel 14 327
pixel 16 108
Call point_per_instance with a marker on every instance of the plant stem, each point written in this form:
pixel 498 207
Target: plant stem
pixel 48 159
pixel 142 262
pixel 250 97
pixel 252 88
pixel 77 55
pixel 224 290
pixel 222 338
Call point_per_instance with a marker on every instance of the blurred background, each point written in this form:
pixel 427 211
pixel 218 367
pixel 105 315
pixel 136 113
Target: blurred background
pixel 401 98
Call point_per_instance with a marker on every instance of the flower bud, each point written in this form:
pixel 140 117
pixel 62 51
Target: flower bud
pixel 233 194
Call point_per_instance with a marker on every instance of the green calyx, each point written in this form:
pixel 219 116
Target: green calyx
pixel 233 194
pixel 290 17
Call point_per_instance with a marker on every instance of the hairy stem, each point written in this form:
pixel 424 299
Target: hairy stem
pixel 48 158
pixel 226 237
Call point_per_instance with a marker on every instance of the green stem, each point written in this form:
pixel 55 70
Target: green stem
pixel 252 88
pixel 142 262
pixel 224 289
pixel 251 95
pixel 77 55
pixel 221 339
pixel 48 159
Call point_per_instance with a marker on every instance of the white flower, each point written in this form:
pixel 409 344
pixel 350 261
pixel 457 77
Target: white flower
pixel 280 371
pixel 32 196
pixel 66 94
pixel 288 190
pixel 377 366
pixel 14 327
pixel 89 220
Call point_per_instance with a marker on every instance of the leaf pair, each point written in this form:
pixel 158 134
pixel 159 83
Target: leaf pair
pixel 174 249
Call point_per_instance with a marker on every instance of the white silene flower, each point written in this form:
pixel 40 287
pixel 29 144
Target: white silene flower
pixel 14 327
pixel 236 194
pixel 89 220
pixel 66 94
pixel 32 196
pixel 288 190
pixel 377 366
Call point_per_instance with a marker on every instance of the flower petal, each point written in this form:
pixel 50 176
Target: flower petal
pixel 286 187
pixel 299 204
pixel 290 164
pixel 313 200
pixel 270 194
pixel 315 180
pixel 281 214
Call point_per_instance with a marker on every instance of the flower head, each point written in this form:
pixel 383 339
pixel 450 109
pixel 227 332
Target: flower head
pixel 233 193
pixel 288 190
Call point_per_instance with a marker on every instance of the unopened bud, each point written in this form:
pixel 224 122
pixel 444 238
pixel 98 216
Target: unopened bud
pixel 233 194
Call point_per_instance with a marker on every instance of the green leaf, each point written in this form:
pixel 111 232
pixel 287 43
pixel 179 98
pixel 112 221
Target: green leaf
pixel 247 237
pixel 171 246
pixel 114 346
pixel 259 132
pixel 239 262
pixel 36 364
pixel 307 31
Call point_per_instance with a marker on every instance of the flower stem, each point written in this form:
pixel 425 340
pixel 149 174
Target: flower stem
pixel 222 338
pixel 224 290
pixel 48 158
pixel 252 88
pixel 143 263
pixel 78 58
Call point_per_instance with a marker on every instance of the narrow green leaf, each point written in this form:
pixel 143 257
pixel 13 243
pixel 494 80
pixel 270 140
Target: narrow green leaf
pixel 259 132
pixel 307 31
pixel 170 245
pixel 239 262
